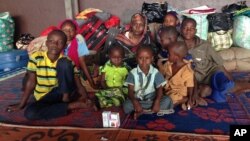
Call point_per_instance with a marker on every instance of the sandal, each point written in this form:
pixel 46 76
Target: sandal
pixel 160 113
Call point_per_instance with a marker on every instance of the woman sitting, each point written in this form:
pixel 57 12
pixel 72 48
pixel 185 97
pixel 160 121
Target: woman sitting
pixel 137 35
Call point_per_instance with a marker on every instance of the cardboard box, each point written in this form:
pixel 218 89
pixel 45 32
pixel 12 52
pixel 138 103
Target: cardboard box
pixel 105 118
pixel 114 120
pixel 110 119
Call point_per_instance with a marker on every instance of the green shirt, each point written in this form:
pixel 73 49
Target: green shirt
pixel 114 76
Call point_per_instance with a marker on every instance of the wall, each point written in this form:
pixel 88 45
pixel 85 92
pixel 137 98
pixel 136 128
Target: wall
pixel 125 8
pixel 32 16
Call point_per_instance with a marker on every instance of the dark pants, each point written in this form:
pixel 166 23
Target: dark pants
pixel 51 105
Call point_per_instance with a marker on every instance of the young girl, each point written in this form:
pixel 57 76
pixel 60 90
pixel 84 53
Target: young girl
pixel 180 76
pixel 145 84
pixel 76 48
pixel 113 75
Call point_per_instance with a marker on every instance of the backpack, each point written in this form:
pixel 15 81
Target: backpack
pixel 94 32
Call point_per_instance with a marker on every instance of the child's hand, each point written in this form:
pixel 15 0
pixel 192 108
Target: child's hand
pixel 137 114
pixel 91 104
pixel 94 86
pixel 137 106
pixel 138 109
pixel 190 104
pixel 159 62
pixel 14 108
pixel 82 92
pixel 156 107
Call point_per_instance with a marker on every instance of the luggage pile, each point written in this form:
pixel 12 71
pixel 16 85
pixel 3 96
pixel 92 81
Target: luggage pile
pixel 94 26
pixel 10 59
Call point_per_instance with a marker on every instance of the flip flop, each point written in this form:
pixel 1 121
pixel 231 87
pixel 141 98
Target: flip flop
pixel 160 113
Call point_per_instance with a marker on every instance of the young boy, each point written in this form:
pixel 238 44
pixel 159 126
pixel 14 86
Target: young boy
pixel 168 35
pixel 170 20
pixel 54 80
pixel 180 76
pixel 207 62
pixel 145 84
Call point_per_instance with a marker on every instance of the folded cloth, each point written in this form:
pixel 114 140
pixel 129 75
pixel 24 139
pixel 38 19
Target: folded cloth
pixel 220 86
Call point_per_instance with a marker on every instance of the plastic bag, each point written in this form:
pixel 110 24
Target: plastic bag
pixel 24 41
pixel 241 34
pixel 7 27
pixel 220 40
pixel 232 8
pixel 219 21
pixel 154 12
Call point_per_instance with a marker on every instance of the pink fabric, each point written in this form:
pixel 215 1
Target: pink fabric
pixel 46 31
pixel 73 52
pixel 113 21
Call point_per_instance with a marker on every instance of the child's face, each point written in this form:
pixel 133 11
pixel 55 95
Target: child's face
pixel 172 56
pixel 55 44
pixel 137 25
pixel 167 39
pixel 69 30
pixel 170 20
pixel 144 59
pixel 188 30
pixel 116 57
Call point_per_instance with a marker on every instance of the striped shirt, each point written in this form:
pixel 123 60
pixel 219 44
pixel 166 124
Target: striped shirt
pixel 45 71
pixel 139 80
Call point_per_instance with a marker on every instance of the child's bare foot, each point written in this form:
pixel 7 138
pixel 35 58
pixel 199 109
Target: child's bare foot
pixel 89 102
pixel 205 91
pixel 184 106
pixel 202 102
pixel 79 105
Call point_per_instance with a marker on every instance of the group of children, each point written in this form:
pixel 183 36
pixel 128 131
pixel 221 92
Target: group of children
pixel 181 75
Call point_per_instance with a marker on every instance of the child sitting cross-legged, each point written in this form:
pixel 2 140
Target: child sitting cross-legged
pixel 113 75
pixel 145 86
pixel 54 82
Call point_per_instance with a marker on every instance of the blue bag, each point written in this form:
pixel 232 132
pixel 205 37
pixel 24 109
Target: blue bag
pixel 220 86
